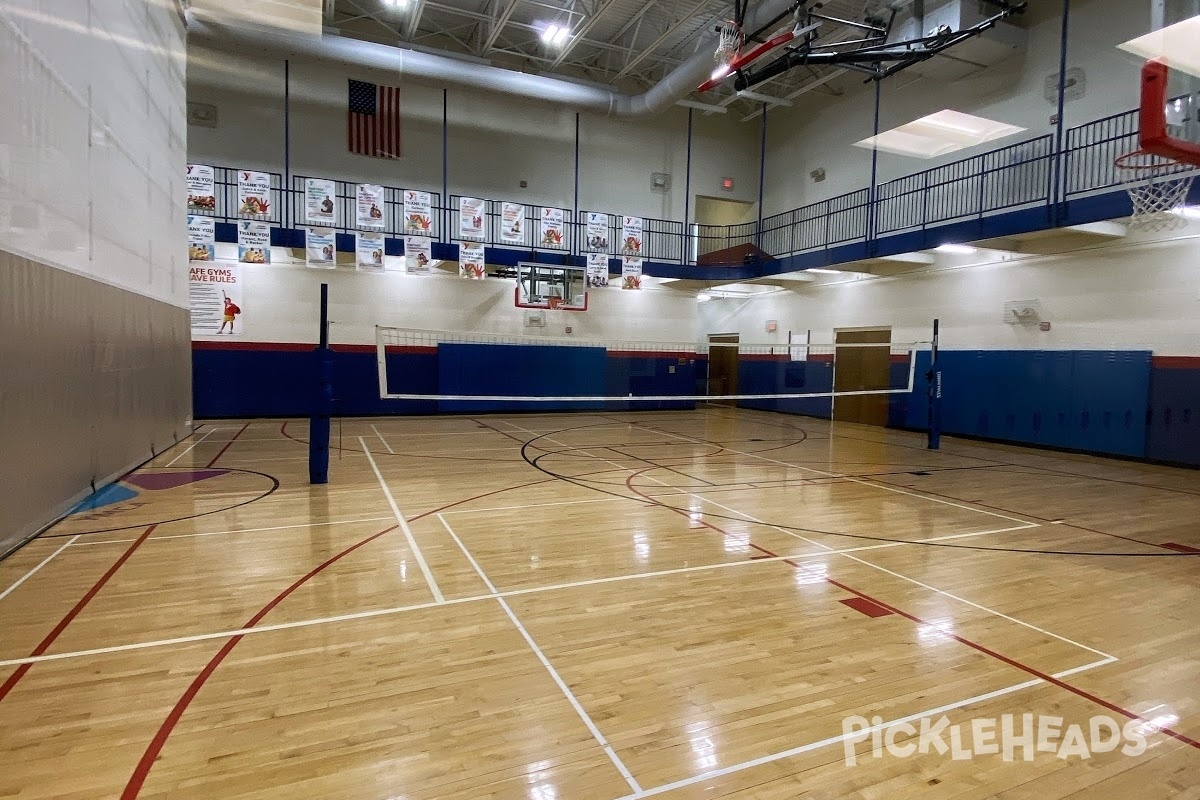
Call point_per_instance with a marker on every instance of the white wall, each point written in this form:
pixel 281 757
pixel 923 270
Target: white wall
pixel 280 304
pixel 1131 294
pixel 494 141
pixel 803 139
pixel 92 140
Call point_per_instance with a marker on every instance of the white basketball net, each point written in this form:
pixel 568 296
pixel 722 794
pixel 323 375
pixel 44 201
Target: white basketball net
pixel 1158 187
pixel 729 42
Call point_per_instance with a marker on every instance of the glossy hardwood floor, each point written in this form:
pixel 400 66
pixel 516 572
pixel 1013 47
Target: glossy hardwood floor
pixel 595 605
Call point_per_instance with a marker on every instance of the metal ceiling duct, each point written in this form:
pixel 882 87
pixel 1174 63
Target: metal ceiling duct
pixel 675 85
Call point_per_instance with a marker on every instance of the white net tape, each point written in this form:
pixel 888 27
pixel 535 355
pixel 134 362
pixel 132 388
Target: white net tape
pixel 393 341
pixel 1158 188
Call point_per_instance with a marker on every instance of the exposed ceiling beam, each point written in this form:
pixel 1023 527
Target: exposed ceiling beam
pixel 415 20
pixel 667 34
pixel 499 24
pixel 577 36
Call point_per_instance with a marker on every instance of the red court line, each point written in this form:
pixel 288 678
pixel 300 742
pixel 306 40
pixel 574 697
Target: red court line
pixel 44 645
pixel 217 457
pixel 154 748
pixel 973 645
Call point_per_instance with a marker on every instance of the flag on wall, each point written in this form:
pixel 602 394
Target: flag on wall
pixel 373 120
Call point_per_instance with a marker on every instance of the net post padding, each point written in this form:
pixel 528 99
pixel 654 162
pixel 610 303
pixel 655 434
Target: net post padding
pixel 1158 187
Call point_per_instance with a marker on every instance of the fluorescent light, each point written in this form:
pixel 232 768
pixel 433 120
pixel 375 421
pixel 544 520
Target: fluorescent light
pixel 395 3
pixel 1191 212
pixel 824 271
pixel 1174 45
pixel 939 134
pixel 703 297
pixel 956 249
pixel 720 72
pixel 556 34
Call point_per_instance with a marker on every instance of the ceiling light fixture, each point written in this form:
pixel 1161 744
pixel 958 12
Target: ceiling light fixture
pixel 1191 212
pixel 703 297
pixel 824 271
pixel 938 134
pixel 556 34
pixel 720 72
pixel 395 3
pixel 956 249
pixel 1174 44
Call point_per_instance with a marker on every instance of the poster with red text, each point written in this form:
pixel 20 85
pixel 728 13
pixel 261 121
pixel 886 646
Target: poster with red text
pixel 215 299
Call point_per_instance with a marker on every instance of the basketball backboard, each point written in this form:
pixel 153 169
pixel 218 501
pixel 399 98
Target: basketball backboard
pixel 562 288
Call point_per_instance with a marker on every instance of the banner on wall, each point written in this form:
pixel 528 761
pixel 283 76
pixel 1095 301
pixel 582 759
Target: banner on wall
pixel 470 262
pixel 631 272
pixel 470 217
pixel 597 232
pixel 202 233
pixel 512 223
pixel 201 188
pixel 597 269
pixel 552 228
pixel 320 248
pixel 320 202
pixel 254 242
pixel 215 299
pixel 631 233
pixel 368 207
pixel 418 213
pixel 418 255
pixel 368 249
pixel 254 194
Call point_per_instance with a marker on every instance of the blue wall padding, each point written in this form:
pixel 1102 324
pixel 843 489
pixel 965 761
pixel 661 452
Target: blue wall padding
pixel 267 381
pixel 494 369
pixel 1174 423
pixel 1111 402
pixel 782 376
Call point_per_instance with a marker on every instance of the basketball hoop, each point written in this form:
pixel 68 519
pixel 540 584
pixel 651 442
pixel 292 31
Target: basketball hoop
pixel 1158 186
pixel 729 42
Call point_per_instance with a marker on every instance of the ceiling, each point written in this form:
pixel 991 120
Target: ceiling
pixel 629 44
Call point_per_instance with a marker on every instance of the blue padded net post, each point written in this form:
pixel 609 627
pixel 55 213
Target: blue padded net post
pixel 322 406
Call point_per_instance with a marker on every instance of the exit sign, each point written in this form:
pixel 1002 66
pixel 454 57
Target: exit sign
pixel 727 183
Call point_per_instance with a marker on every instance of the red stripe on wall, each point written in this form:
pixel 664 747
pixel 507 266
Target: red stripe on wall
pixel 1175 362
pixel 300 347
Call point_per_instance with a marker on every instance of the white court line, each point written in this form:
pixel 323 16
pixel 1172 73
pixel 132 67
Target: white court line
pixel 192 446
pixel 537 651
pixel 542 505
pixel 795 751
pixel 31 572
pixel 871 484
pixel 383 612
pixel 153 538
pixel 412 543
pixel 832 551
pixel 385 443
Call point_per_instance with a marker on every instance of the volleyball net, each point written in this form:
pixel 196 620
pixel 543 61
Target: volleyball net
pixel 476 371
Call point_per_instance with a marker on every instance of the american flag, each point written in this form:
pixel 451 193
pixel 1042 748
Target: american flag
pixel 373 120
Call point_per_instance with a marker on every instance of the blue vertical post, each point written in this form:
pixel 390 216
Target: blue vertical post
pixel 872 195
pixel 934 376
pixel 1060 134
pixel 322 408
pixel 286 195
pixel 444 227
pixel 574 227
pixel 687 193
pixel 762 177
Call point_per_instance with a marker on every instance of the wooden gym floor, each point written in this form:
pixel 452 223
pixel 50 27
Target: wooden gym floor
pixel 577 606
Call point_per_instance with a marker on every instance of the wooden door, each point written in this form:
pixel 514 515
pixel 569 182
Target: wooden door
pixel 723 366
pixel 859 369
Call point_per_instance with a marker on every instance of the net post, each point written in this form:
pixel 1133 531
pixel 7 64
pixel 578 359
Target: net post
pixel 318 422
pixel 934 377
